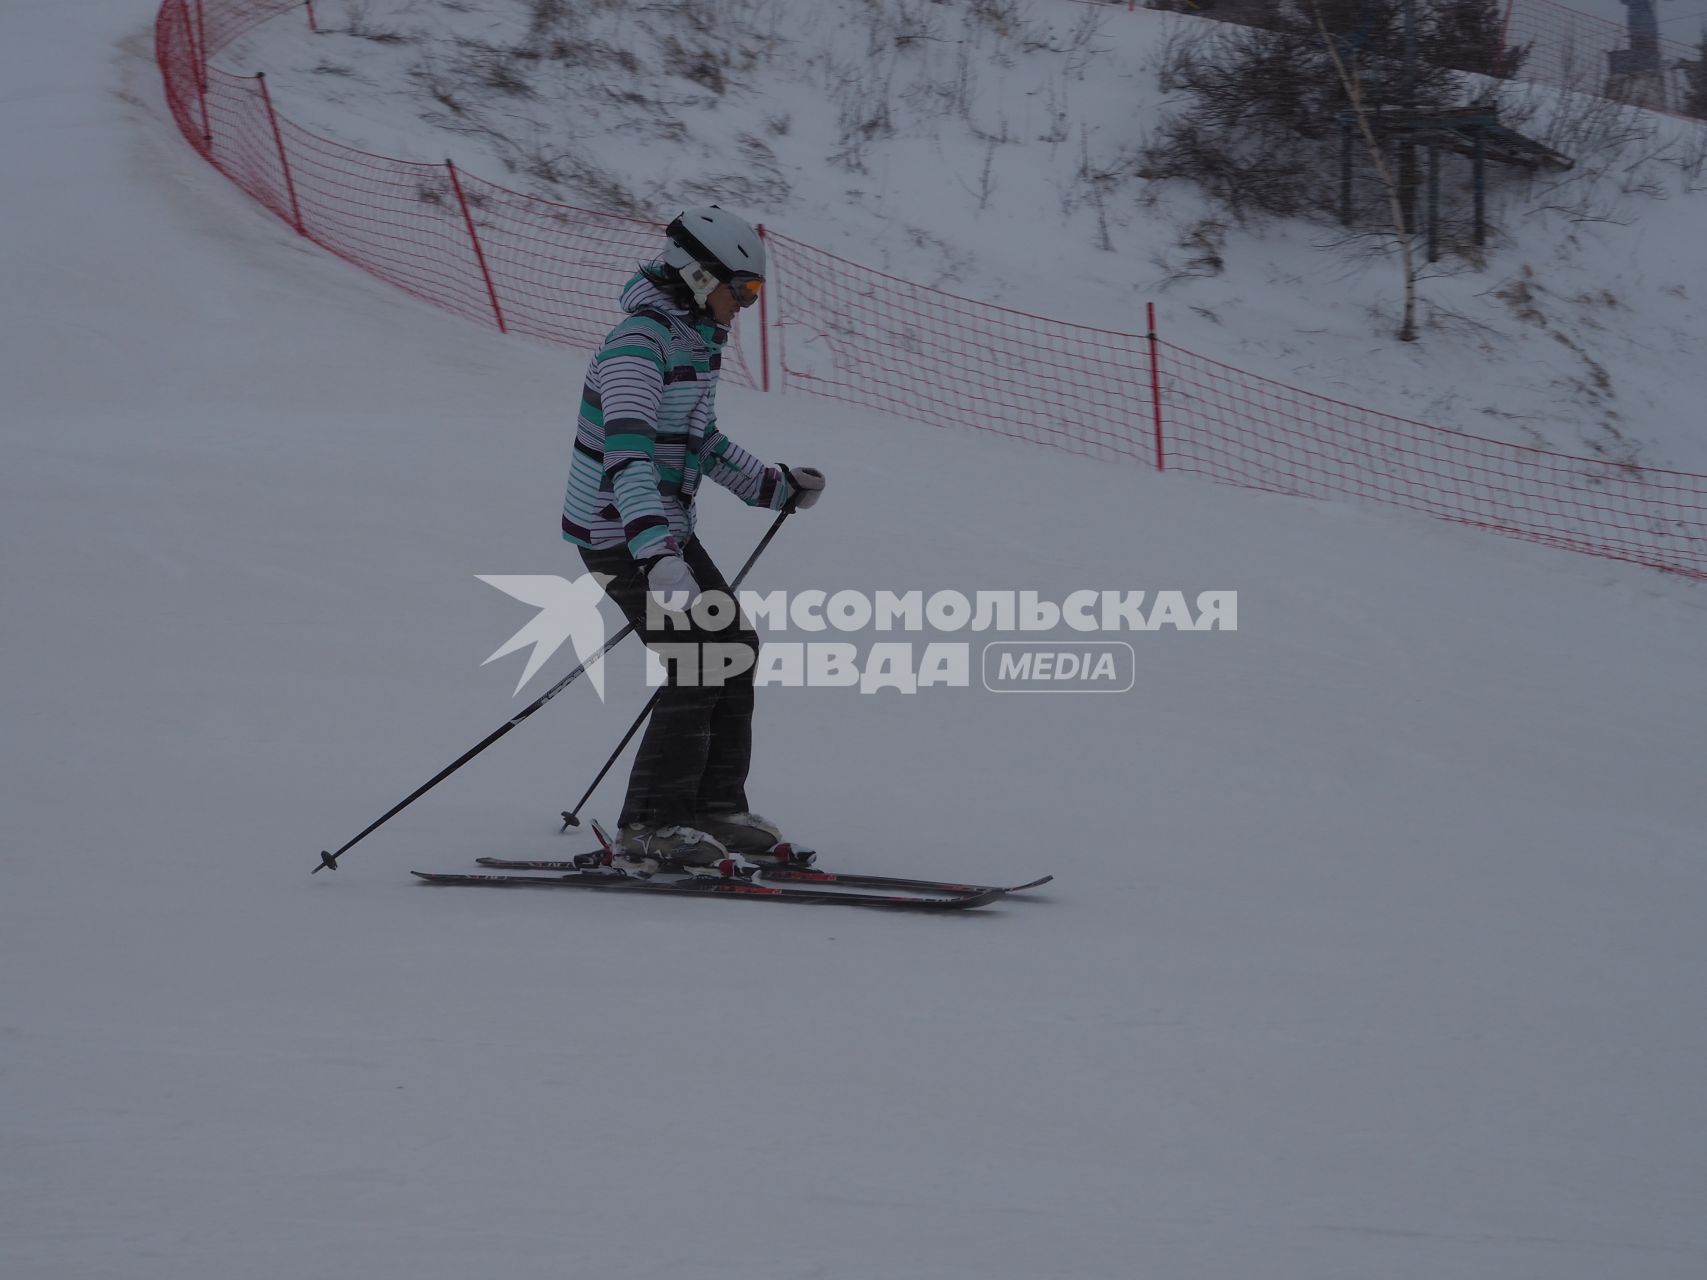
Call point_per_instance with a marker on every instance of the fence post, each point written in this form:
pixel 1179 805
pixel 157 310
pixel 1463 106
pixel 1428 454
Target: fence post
pixel 197 24
pixel 765 319
pixel 479 253
pixel 1156 389
pixel 284 160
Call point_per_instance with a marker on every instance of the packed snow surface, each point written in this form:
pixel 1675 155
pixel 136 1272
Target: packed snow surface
pixel 1375 948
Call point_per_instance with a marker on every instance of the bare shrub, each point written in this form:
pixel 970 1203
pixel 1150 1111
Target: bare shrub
pixel 362 28
pixel 1469 35
pixel 864 109
pixel 1202 245
pixel 1012 21
pixel 699 63
pixel 485 68
pixel 916 24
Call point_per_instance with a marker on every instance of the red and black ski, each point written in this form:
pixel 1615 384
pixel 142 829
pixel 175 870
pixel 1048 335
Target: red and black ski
pixel 793 875
pixel 708 887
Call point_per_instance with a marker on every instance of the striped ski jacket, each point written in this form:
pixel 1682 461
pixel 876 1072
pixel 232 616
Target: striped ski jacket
pixel 647 433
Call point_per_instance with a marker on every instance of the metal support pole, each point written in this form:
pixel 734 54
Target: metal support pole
pixel 284 160
pixel 199 35
pixel 1156 389
pixel 197 23
pixel 479 253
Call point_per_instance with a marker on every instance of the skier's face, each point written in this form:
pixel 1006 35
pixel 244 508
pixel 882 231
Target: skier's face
pixel 725 301
pixel 722 304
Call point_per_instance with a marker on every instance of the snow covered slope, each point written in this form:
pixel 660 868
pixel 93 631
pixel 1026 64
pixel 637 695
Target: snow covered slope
pixel 1376 946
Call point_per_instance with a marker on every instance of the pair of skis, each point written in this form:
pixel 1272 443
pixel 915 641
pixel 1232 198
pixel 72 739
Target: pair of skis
pixel 803 884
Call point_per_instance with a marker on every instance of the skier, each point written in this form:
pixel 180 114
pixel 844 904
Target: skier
pixel 646 437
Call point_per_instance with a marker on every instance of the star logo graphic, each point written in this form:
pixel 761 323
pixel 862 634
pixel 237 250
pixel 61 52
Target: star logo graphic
pixel 567 611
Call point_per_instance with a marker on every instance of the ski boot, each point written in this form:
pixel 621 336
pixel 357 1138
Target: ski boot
pixel 754 838
pixel 644 849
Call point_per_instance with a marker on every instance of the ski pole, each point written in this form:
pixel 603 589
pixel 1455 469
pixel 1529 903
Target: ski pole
pixel 571 816
pixel 330 860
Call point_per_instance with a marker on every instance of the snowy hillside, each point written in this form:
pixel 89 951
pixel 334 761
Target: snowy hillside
pixel 1376 947
pixel 992 150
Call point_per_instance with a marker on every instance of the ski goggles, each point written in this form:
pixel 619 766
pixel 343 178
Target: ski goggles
pixel 746 288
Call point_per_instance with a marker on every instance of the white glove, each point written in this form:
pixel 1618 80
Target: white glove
pixel 671 584
pixel 807 483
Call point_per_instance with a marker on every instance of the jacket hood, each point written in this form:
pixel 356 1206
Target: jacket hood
pixel 640 294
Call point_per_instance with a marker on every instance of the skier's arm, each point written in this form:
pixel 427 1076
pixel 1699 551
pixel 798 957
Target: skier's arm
pixel 741 473
pixel 631 377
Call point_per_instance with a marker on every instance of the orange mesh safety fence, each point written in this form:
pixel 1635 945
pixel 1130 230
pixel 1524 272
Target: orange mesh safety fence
pixel 845 332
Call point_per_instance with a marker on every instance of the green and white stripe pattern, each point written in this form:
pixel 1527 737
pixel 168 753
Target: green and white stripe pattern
pixel 647 433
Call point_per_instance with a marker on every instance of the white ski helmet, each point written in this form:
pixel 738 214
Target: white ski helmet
pixel 709 247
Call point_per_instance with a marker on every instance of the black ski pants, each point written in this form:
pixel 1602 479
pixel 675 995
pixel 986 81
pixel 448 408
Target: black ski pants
pixel 695 753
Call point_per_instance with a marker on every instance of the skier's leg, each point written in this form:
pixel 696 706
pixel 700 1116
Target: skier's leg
pixel 729 753
pixel 663 786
